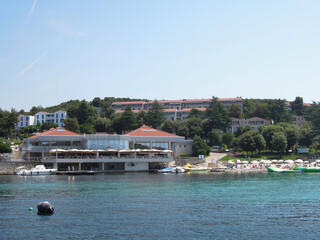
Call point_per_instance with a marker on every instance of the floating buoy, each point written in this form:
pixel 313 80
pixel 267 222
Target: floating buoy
pixel 45 208
pixel 30 209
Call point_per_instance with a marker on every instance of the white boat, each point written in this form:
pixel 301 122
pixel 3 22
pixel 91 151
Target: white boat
pixel 37 170
pixel 166 170
pixel 172 170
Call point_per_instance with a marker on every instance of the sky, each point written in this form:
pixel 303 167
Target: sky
pixel 55 51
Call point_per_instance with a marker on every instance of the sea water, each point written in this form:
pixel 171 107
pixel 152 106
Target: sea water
pixel 162 206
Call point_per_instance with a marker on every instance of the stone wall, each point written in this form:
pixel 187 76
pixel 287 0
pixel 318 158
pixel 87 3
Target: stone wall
pixel 8 167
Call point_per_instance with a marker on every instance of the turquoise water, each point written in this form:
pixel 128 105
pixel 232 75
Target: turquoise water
pixel 162 206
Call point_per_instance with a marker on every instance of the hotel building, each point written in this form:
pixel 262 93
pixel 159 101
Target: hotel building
pixel 140 150
pixel 175 109
pixel 42 117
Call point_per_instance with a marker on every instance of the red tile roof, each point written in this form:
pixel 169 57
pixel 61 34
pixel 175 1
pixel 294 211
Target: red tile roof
pixel 59 131
pixel 134 102
pixel 146 131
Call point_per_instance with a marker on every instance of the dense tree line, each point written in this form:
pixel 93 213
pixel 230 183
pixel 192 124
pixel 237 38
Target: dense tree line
pixel 210 126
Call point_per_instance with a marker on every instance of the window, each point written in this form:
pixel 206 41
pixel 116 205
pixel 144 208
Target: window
pixel 42 121
pixel 21 119
pixel 57 115
pixel 160 145
pixel 27 124
pixel 61 115
pixel 21 124
pixel 27 118
pixel 42 116
pixel 37 116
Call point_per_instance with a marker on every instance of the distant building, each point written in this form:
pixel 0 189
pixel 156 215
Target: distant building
pixel 56 117
pixel 298 120
pixel 254 122
pixel 176 104
pixel 24 121
pixel 175 109
pixel 42 117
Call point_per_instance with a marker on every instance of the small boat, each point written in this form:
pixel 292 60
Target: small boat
pixel 190 168
pixel 173 170
pixel 283 170
pixel 307 169
pixel 166 170
pixel 37 170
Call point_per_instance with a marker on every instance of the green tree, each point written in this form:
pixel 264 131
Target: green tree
pixel 87 128
pixel 199 146
pixel 278 111
pixel 8 122
pixel 227 139
pixel 291 132
pixel 85 111
pixel 71 124
pixel 97 102
pixel 141 117
pixel 155 115
pixel 268 133
pixel 5 148
pixel 235 111
pixel 214 138
pixel 127 121
pixel 251 141
pixel 194 127
pixel 297 106
pixel 260 142
pixel 313 115
pixel 48 125
pixel 247 142
pixel 195 113
pixel 279 142
pixel 306 135
pixel 102 124
pixel 241 130
pixel 168 126
pixel 218 117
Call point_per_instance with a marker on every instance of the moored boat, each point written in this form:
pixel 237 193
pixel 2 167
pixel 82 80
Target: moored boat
pixel 37 170
pixel 307 169
pixel 283 170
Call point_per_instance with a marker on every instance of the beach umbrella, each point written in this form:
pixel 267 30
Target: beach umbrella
pixel 306 161
pixel 274 161
pixel 244 162
pixel 280 161
pixel 267 162
pixel 254 162
pixel 298 161
pixel 318 161
pixel 288 161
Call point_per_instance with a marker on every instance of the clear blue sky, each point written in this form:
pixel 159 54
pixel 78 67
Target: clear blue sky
pixel 54 51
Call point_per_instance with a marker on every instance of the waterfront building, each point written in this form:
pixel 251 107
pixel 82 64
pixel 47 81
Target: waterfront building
pixel 142 149
pixel 254 122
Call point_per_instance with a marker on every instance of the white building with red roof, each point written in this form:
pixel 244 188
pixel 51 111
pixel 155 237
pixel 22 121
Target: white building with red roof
pixel 140 150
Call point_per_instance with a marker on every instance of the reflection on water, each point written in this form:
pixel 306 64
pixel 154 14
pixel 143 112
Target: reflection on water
pixel 162 206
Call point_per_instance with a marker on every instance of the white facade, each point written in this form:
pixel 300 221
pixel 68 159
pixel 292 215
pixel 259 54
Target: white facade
pixel 24 121
pixel 56 117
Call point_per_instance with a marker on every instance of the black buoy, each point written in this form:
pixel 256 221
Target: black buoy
pixel 45 208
